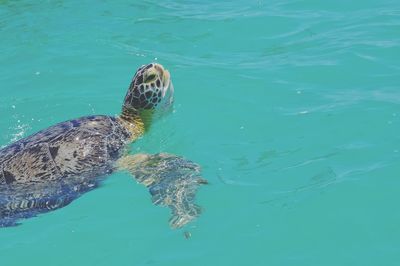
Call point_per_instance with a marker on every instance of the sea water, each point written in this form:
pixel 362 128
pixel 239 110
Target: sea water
pixel 292 108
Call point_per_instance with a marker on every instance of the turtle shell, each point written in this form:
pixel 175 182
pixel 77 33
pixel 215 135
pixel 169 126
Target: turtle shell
pixel 86 146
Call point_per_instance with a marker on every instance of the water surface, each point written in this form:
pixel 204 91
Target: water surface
pixel 291 107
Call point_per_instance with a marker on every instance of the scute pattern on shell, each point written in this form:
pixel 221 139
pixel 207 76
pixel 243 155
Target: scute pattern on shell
pixel 84 146
pixel 51 168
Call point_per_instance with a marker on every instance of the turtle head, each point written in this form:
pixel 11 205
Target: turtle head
pixel 150 95
pixel 151 88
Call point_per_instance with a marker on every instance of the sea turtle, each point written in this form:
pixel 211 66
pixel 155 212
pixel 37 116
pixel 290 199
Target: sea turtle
pixel 51 168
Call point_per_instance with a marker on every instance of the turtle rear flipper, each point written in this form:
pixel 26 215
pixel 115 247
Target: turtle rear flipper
pixel 172 181
pixel 20 201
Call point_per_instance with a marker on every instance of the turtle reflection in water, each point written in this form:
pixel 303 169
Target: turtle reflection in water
pixel 51 168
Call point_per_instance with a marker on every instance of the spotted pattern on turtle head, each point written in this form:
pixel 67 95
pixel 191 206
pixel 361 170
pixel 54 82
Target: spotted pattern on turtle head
pixel 148 87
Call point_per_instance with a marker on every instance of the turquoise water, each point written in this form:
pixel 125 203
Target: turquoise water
pixel 291 108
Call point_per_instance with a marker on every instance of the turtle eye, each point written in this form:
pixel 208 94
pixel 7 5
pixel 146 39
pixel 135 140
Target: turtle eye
pixel 150 78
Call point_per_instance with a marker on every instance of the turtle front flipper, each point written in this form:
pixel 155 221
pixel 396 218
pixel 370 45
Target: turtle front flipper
pixel 172 181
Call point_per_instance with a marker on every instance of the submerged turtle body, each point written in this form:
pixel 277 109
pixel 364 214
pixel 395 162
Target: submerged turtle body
pixel 87 146
pixel 51 168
